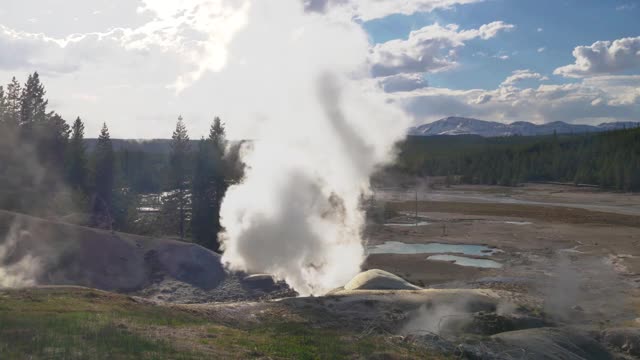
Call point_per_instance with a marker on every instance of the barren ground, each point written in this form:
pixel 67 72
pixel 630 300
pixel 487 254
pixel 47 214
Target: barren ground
pixel 580 244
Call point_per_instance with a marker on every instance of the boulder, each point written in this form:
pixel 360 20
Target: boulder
pixel 552 344
pixel 262 282
pixel 379 280
pixel 624 340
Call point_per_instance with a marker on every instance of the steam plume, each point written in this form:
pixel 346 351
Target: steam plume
pixel 16 268
pixel 321 128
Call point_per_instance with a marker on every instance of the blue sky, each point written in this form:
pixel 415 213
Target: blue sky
pixel 565 24
pixel 138 64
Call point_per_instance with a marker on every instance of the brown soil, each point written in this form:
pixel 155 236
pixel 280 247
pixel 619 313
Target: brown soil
pixel 552 214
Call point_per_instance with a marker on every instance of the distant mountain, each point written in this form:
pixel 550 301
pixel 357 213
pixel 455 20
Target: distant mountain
pixel 466 126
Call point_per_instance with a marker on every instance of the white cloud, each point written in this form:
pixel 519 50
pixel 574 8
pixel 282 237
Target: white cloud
pixel 483 99
pixel 56 18
pixel 626 7
pixel 403 82
pixel 137 69
pixel 603 57
pixel 198 31
pixel 520 75
pixel 429 49
pixel 366 10
pixel 542 49
pixel 594 100
pixel 540 29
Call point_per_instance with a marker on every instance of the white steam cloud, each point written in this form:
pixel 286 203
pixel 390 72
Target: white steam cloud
pixel 321 127
pixel 17 269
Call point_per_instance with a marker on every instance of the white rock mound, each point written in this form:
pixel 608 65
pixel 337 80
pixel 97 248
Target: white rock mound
pixel 379 280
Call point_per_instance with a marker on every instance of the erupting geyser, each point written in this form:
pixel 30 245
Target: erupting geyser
pixel 321 126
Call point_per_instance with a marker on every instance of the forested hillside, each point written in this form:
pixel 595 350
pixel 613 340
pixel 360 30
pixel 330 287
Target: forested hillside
pixel 49 169
pixel 609 160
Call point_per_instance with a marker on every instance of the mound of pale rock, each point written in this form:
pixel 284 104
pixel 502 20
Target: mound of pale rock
pixel 52 253
pixel 379 280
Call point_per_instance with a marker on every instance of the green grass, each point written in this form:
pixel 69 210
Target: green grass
pixel 300 341
pixel 75 335
pixel 81 324
pixel 73 323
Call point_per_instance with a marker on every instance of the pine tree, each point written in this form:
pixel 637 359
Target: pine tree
pixel 217 136
pixel 33 103
pixel 178 178
pixel 14 103
pixel 77 158
pixel 104 165
pixel 52 137
pixel 203 227
pixel 3 106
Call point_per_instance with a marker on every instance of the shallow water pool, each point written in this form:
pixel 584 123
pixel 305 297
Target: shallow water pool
pixel 465 261
pixel 396 247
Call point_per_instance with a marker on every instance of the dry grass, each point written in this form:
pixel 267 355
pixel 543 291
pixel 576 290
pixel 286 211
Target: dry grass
pixel 552 214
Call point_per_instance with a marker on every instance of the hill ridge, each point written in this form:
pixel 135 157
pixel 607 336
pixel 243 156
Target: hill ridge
pixel 469 126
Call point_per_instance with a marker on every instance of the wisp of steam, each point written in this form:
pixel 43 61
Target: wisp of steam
pixel 320 127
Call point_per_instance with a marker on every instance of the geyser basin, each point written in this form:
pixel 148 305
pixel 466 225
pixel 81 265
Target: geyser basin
pixel 396 247
pixel 465 261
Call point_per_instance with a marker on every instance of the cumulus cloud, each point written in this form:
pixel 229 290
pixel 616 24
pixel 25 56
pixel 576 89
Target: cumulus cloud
pixel 483 99
pixel 594 100
pixel 603 57
pixel 367 10
pixel 403 82
pixel 21 50
pixel 199 31
pixel 146 68
pixel 520 75
pixel 430 49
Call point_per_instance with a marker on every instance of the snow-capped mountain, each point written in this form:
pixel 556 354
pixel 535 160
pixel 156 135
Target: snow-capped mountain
pixel 466 126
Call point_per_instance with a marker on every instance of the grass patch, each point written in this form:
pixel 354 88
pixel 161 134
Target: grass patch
pixel 76 323
pixel 75 335
pixel 63 323
pixel 301 341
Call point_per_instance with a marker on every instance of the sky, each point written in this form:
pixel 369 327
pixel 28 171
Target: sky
pixel 139 64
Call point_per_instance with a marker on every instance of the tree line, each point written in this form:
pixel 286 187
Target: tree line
pixel 609 160
pixel 47 170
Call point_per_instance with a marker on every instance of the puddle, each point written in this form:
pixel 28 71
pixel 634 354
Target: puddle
pixel 421 223
pixel 395 247
pixel 518 223
pixel 464 261
pixel 573 250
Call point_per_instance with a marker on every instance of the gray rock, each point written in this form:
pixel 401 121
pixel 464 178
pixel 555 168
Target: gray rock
pixel 551 344
pixel 263 282
pixel 624 340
